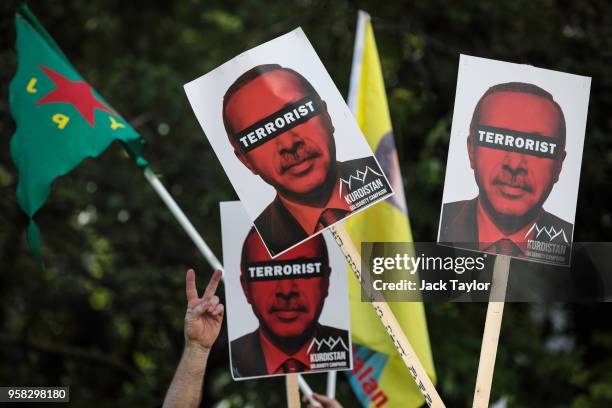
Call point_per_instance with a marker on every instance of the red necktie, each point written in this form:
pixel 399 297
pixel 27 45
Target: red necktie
pixel 292 365
pixel 506 247
pixel 330 216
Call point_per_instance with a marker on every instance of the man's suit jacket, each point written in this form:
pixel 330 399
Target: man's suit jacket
pixel 459 223
pixel 280 230
pixel 247 354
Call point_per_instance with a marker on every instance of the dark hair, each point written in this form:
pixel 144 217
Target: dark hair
pixel 522 88
pixel 244 255
pixel 252 74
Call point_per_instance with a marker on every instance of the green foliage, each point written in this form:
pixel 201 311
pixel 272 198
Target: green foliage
pixel 106 316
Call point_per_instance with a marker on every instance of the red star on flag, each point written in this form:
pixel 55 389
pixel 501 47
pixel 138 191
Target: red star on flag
pixel 77 93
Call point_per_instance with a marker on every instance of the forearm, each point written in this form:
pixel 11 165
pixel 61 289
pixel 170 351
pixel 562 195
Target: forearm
pixel 186 387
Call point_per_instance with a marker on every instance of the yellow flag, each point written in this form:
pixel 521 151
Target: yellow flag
pixel 379 377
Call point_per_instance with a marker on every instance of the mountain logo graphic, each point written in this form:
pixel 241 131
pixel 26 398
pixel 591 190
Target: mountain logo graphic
pixel 360 176
pixel 330 342
pixel 551 232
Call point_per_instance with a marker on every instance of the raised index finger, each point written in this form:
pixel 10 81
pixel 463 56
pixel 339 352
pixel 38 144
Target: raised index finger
pixel 190 287
pixel 212 284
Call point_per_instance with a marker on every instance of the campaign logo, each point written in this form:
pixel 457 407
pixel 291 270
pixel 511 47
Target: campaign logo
pixel 549 244
pixel 360 176
pixel 329 352
pixel 550 232
pixel 363 187
pixel 330 342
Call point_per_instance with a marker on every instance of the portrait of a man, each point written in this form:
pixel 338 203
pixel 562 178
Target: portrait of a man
pixel 287 295
pixel 280 129
pixel 516 148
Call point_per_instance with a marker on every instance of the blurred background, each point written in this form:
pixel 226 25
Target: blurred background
pixel 106 316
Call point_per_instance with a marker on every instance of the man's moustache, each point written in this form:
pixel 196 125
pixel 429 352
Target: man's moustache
pixel 289 160
pixel 515 182
pixel 288 308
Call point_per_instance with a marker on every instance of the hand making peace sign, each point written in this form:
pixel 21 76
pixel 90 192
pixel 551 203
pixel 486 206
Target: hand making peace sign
pixel 204 314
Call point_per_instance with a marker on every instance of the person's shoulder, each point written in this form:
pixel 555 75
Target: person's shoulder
pixel 457 206
pixel 264 218
pixel 550 220
pixel 244 342
pixel 553 219
pixel 278 228
pixel 329 331
pixel 450 211
pixel 458 223
pixel 358 163
pixel 364 167
pixel 247 358
pixel 267 218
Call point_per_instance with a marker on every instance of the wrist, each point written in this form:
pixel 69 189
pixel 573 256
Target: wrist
pixel 194 358
pixel 196 349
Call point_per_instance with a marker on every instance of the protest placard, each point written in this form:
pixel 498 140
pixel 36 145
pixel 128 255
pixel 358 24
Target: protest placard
pixel 288 314
pixel 514 160
pixel 512 175
pixel 287 141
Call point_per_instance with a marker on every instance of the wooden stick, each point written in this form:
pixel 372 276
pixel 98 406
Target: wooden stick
pixel 293 392
pixel 490 337
pixel 386 316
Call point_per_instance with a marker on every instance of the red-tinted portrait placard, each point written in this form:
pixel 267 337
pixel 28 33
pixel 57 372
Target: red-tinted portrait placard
pixel 514 160
pixel 276 307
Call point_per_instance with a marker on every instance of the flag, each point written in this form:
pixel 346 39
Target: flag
pixel 60 120
pixel 379 377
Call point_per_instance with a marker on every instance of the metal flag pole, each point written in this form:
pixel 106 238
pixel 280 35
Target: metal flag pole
pixel 307 391
pixel 182 219
pixel 330 391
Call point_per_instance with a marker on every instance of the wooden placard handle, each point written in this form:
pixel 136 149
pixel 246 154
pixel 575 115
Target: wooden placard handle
pixel 490 337
pixel 293 392
pixel 386 316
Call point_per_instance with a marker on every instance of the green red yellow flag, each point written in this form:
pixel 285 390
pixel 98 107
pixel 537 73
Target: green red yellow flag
pixel 60 119
pixel 378 369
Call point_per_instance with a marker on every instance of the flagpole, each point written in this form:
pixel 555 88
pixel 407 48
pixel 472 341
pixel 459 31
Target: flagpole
pixel 490 336
pixel 204 249
pixel 362 19
pixel 382 309
pixel 388 319
pixel 307 391
pixel 182 219
pixel 352 99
